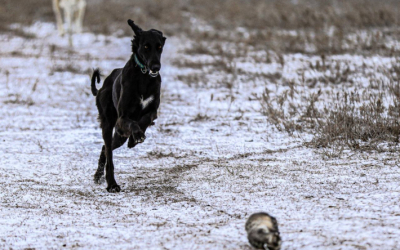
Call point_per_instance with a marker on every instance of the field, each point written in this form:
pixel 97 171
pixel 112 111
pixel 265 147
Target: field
pixel 288 107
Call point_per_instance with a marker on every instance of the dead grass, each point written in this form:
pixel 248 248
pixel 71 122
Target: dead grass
pixel 291 15
pixel 358 119
pixel 315 28
pixel 70 67
pixel 359 125
pixel 311 26
pixel 101 17
pixel 322 27
pixel 18 99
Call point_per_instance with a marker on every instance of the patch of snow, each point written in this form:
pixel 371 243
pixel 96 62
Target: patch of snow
pixel 204 168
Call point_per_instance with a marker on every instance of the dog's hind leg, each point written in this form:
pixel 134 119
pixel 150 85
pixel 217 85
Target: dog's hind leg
pixel 98 176
pixel 117 142
pixel 112 185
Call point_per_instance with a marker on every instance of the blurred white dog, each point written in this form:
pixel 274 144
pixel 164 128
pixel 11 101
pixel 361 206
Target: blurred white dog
pixel 74 11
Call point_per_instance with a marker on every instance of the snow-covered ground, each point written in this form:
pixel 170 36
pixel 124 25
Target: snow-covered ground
pixel 208 163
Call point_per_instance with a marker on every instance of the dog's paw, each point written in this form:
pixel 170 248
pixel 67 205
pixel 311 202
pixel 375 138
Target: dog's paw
pixel 140 138
pixel 131 143
pixel 99 178
pixel 113 188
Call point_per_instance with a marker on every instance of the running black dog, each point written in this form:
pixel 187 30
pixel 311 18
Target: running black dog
pixel 129 99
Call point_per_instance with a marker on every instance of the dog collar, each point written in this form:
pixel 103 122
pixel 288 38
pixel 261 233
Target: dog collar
pixel 144 68
pixel 141 66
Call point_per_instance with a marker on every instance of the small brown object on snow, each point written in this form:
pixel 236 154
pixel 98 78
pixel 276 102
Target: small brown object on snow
pixel 262 232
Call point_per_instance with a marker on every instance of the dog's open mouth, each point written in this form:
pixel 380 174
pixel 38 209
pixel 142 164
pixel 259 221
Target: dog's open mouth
pixel 153 73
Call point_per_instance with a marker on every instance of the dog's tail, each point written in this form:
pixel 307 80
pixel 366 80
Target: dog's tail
pixel 96 75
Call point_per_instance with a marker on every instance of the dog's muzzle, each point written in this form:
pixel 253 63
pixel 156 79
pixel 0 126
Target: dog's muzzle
pixel 153 73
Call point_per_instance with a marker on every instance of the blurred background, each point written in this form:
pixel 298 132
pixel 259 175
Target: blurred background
pixel 320 26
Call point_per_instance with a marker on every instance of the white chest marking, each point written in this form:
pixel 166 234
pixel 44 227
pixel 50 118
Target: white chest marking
pixel 146 102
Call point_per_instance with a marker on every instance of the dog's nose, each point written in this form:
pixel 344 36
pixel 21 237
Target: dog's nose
pixel 155 67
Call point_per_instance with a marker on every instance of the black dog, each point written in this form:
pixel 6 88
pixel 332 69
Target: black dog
pixel 129 99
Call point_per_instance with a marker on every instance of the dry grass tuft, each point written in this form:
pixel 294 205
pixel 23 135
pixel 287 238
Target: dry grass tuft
pixel 72 68
pixel 360 119
pixel 359 125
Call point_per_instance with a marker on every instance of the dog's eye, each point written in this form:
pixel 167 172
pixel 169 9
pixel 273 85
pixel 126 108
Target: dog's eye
pixel 160 47
pixel 146 47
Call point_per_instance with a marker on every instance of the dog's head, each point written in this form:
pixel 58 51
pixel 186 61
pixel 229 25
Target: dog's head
pixel 148 46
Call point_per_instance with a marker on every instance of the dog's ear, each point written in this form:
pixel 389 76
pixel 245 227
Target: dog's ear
pixel 135 28
pixel 163 39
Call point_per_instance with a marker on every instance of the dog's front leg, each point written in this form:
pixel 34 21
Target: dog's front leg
pixel 124 127
pixel 137 132
pixel 144 123
pixel 136 138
